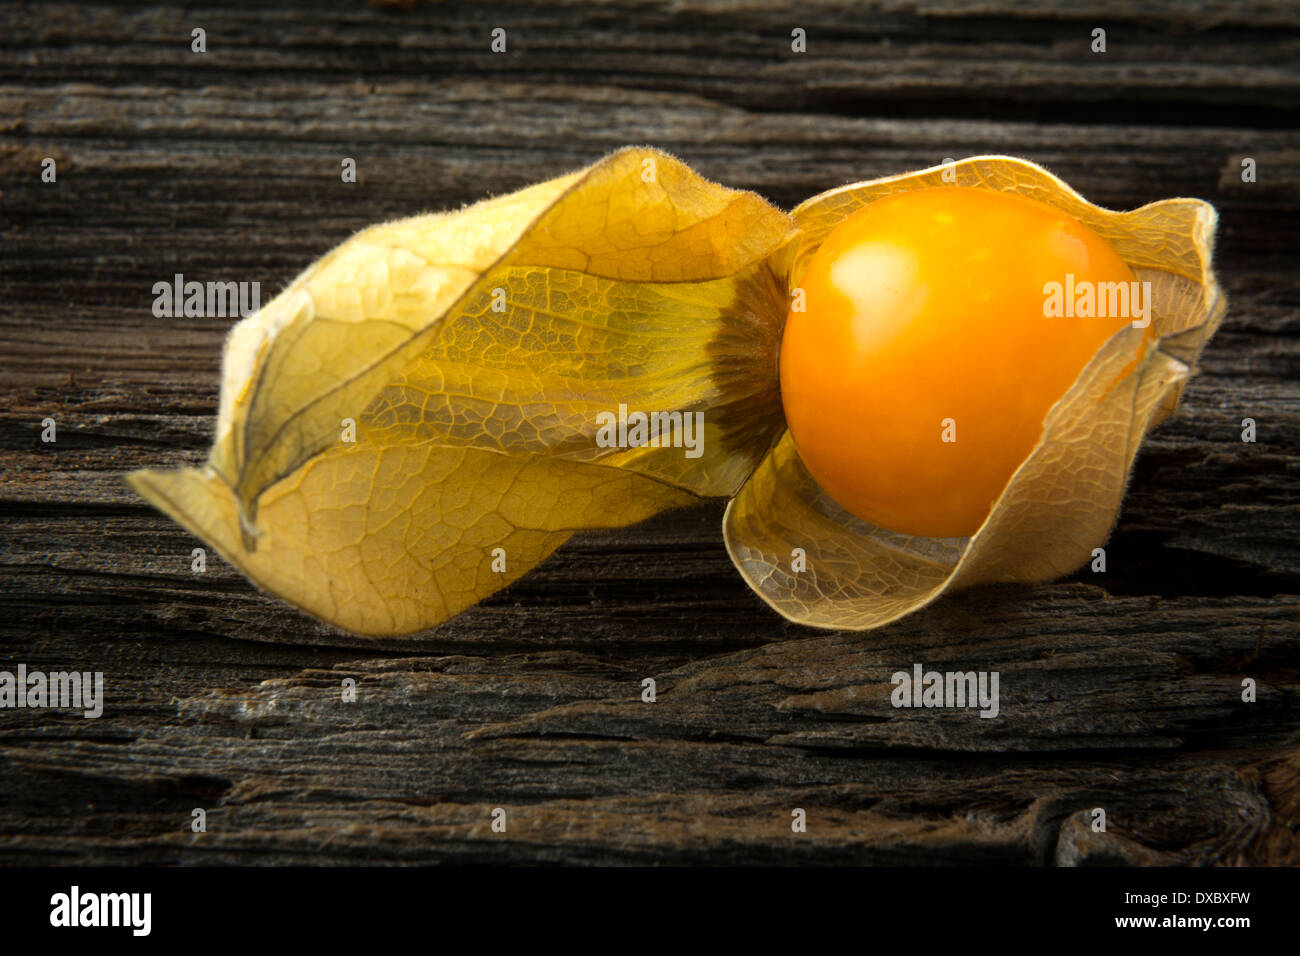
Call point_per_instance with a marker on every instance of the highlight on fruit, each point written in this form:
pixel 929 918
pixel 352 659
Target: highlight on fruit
pixel 904 386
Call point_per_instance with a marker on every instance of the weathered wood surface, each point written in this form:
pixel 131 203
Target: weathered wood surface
pixel 1119 691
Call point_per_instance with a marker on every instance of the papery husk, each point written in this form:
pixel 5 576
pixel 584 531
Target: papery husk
pixel 632 282
pixel 1063 500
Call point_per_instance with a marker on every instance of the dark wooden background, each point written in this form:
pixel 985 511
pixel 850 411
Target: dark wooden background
pixel 1119 691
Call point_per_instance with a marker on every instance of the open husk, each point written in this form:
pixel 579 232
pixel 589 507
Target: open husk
pixel 1062 501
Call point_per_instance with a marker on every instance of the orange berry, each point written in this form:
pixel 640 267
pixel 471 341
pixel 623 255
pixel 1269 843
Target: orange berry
pixel 924 319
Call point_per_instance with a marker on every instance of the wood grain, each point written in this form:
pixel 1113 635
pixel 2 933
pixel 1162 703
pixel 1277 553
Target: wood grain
pixel 1120 691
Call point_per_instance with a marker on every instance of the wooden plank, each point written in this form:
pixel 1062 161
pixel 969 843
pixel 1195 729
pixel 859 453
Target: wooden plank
pixel 1120 691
